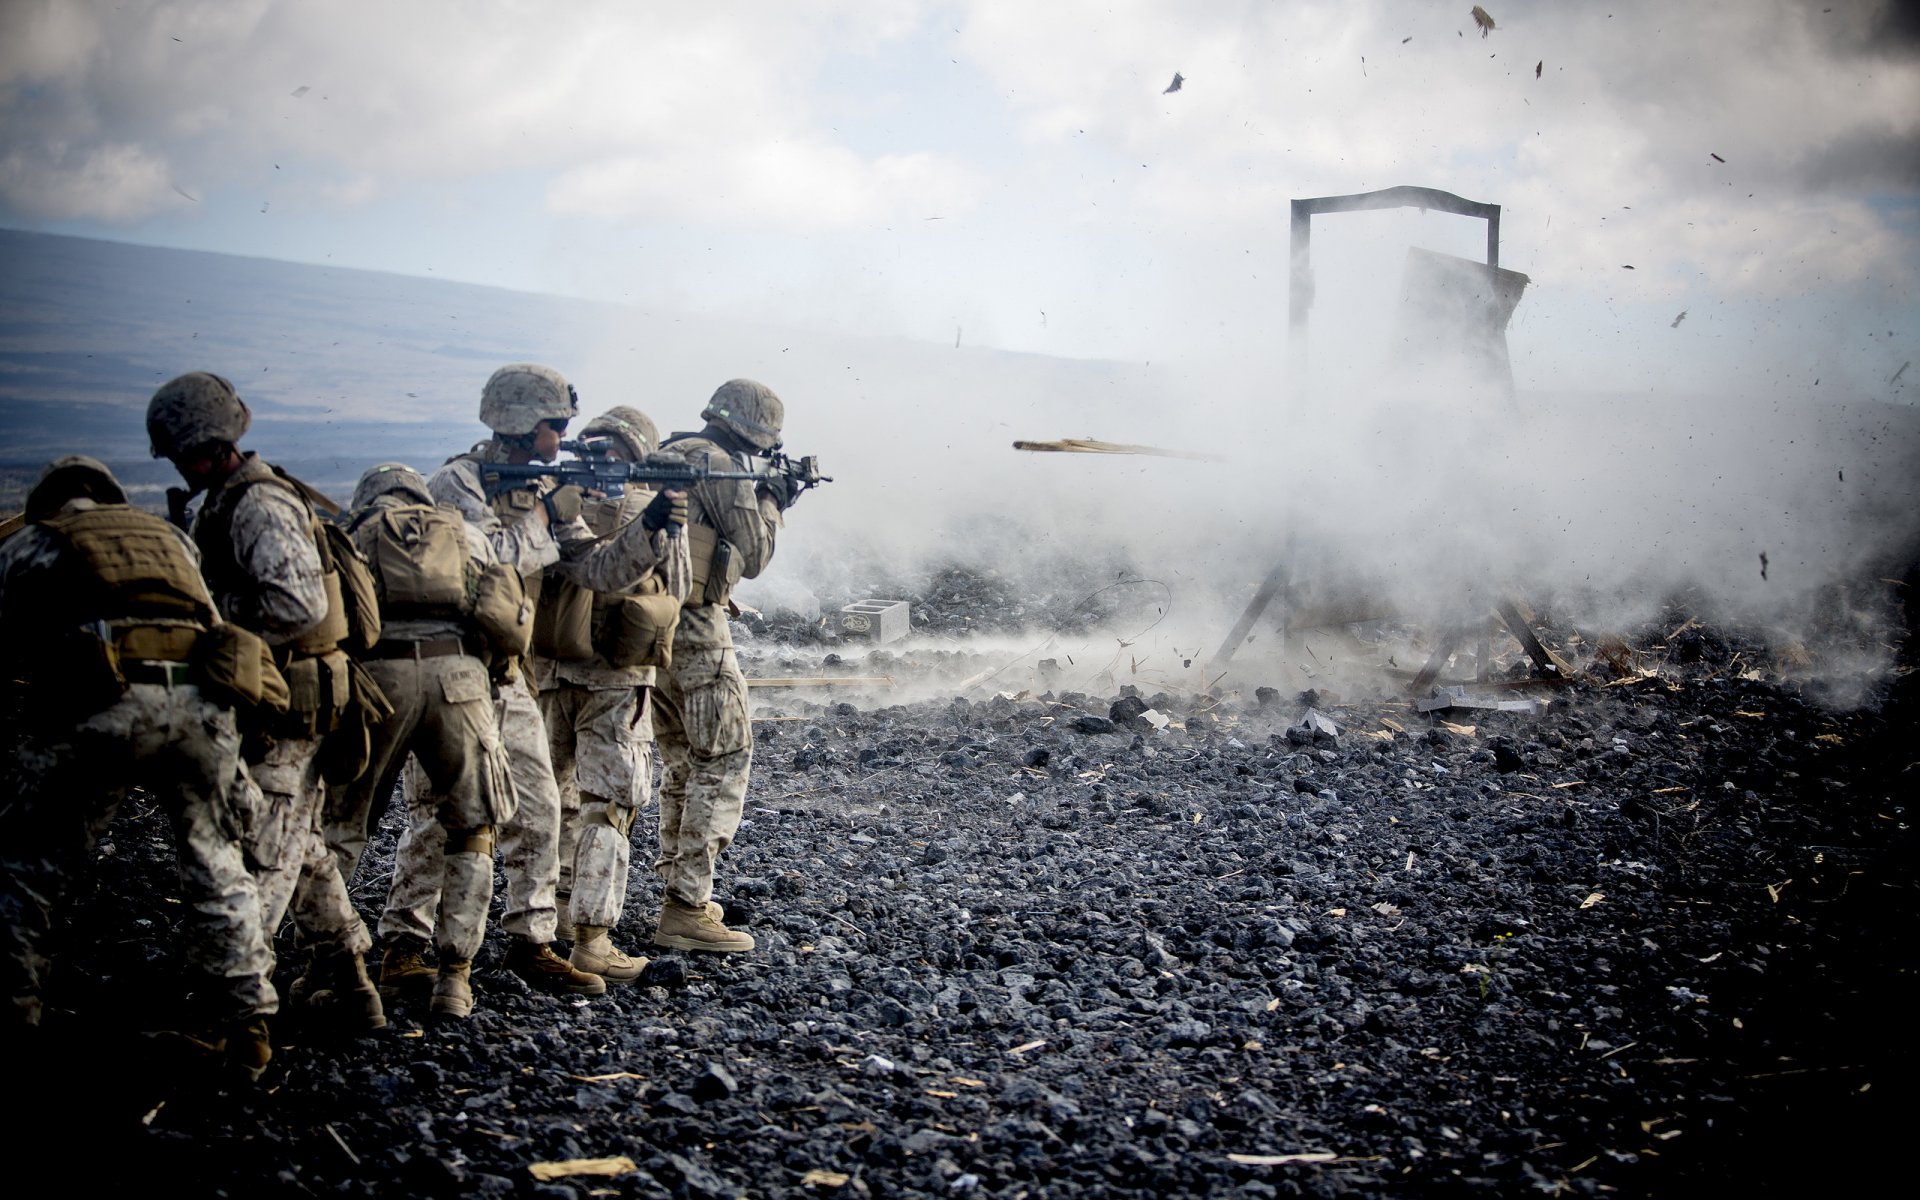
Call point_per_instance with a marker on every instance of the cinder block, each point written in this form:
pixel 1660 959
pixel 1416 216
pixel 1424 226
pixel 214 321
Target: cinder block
pixel 877 621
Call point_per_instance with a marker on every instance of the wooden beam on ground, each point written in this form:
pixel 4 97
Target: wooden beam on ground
pixel 1442 651
pixel 827 681
pixel 1275 581
pixel 1543 658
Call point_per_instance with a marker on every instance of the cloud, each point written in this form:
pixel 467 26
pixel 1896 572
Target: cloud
pixel 788 184
pixel 107 182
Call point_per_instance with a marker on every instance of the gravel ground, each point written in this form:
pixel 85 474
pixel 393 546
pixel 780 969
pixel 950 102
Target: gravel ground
pixel 1656 937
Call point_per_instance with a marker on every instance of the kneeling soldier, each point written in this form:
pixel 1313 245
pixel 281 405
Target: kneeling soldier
pixel 107 614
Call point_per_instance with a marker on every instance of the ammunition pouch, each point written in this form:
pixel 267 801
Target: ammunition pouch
pixel 563 621
pixel 235 669
pixel 637 631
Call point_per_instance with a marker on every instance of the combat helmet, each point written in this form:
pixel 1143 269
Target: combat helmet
pixel 69 478
pixel 521 395
pixel 390 479
pixel 192 410
pixel 748 410
pixel 629 426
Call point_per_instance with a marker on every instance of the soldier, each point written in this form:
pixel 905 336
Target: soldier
pixel 271 572
pixel 593 662
pixel 531 528
pixel 104 608
pixel 700 701
pixel 431 662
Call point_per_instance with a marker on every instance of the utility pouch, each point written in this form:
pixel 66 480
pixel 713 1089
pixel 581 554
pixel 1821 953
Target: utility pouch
pixel 347 751
pixel 637 631
pixel 157 643
pixel 319 690
pixel 501 614
pixel 563 622
pixel 359 596
pixel 233 668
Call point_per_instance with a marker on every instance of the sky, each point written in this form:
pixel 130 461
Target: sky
pixel 1017 175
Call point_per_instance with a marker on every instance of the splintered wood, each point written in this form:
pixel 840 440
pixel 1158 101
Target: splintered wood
pixel 1090 446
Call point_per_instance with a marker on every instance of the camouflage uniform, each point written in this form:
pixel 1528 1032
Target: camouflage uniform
pixel 530 841
pixel 444 716
pixel 275 585
pixel 70 777
pixel 700 702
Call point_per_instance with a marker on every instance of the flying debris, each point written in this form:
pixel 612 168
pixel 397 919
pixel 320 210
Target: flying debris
pixel 1763 564
pixel 1896 374
pixel 1178 79
pixel 1405 40
pixel 1626 266
pixel 1678 319
pixel 1091 446
pixel 1483 19
pixel 1537 67
pixel 184 192
pixel 300 91
pixel 1715 157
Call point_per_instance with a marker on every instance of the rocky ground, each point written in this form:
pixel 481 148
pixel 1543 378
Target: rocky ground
pixel 1654 936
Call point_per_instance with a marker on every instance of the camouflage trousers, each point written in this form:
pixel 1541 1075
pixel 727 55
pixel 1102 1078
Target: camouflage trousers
pixel 706 752
pixel 529 840
pixel 601 741
pixel 67 786
pixel 443 715
pixel 291 863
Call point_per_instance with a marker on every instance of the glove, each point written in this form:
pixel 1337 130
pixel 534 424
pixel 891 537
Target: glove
pixel 781 489
pixel 563 504
pixel 664 511
pixel 177 501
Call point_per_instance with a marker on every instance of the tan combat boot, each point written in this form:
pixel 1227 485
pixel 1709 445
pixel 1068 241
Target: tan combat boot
pixel 684 928
pixel 249 1049
pixel 335 988
pixel 452 993
pixel 595 953
pixel 404 970
pixel 546 971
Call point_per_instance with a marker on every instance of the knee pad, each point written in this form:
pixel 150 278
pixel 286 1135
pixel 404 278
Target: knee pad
pixel 478 840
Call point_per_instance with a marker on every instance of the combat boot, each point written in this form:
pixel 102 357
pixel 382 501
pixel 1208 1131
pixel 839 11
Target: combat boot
pixel 546 971
pixel 335 988
pixel 452 993
pixel 595 953
pixel 404 969
pixel 249 1049
pixel 684 928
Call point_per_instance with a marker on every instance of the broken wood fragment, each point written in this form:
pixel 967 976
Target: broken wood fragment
pixel 1093 446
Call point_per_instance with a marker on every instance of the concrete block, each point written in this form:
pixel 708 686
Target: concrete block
pixel 876 621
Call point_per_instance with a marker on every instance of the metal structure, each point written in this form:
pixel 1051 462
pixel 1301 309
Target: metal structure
pixel 1300 276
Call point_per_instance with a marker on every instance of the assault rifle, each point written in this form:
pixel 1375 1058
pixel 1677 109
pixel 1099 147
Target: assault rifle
pixel 595 469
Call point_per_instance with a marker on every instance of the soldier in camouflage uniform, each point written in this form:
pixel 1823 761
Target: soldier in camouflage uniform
pixel 700 701
pixel 528 407
pixel 103 605
pixel 429 662
pixel 263 554
pixel 599 724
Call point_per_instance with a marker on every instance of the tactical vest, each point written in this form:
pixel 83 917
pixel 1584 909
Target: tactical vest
pixel 716 568
pixel 621 629
pixel 127 566
pixel 213 533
